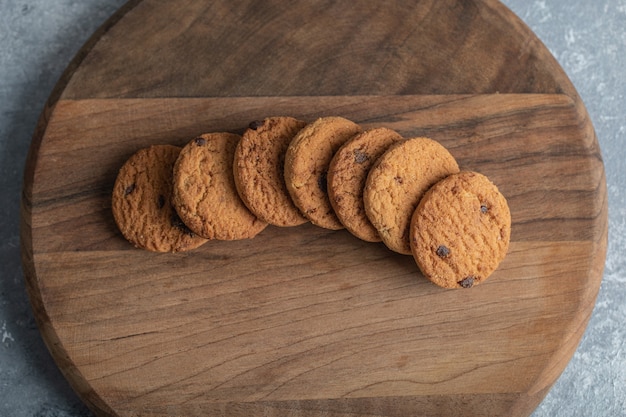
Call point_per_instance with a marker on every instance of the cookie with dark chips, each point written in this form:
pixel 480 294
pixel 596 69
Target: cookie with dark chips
pixel 204 192
pixel 397 182
pixel 346 179
pixel 141 202
pixel 259 170
pixel 306 167
pixel 460 231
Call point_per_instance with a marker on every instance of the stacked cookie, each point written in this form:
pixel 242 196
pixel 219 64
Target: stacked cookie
pixel 408 193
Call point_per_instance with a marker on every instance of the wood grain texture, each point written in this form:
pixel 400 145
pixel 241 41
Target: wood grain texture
pixel 306 321
pixel 245 48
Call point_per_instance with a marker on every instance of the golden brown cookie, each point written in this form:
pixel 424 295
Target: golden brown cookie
pixel 397 182
pixel 346 179
pixel 141 202
pixel 460 231
pixel 205 195
pixel 259 170
pixel 306 166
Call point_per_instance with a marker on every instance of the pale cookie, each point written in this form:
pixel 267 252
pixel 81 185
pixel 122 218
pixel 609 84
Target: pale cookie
pixel 259 170
pixel 306 166
pixel 460 231
pixel 347 175
pixel 397 182
pixel 205 195
pixel 141 202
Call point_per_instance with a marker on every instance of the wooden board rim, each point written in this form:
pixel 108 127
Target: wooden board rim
pixel 519 403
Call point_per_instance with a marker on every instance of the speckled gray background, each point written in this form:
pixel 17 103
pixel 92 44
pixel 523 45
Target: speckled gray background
pixel 39 37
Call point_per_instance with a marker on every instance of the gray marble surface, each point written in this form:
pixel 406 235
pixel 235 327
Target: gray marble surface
pixel 39 37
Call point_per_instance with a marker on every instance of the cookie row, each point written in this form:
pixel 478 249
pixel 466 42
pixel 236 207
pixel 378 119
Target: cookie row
pixel 285 172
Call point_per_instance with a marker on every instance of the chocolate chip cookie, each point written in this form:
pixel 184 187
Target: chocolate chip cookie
pixel 346 179
pixel 397 182
pixel 141 202
pixel 306 166
pixel 460 231
pixel 204 191
pixel 259 170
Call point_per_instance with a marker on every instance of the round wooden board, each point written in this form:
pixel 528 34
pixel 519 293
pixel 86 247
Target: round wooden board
pixel 304 321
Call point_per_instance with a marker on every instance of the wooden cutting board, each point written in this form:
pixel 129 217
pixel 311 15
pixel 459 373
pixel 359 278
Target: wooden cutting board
pixel 303 321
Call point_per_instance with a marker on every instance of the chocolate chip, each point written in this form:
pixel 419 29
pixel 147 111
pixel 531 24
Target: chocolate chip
pixel 443 251
pixel 467 282
pixel 161 201
pixel 322 182
pixel 254 125
pixel 129 189
pixel 200 141
pixel 179 224
pixel 360 156
pixel 484 209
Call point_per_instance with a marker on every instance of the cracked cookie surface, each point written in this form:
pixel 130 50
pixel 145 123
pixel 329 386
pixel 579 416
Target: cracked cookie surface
pixel 259 170
pixel 397 182
pixel 141 202
pixel 460 231
pixel 204 191
pixel 306 167
pixel 346 179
